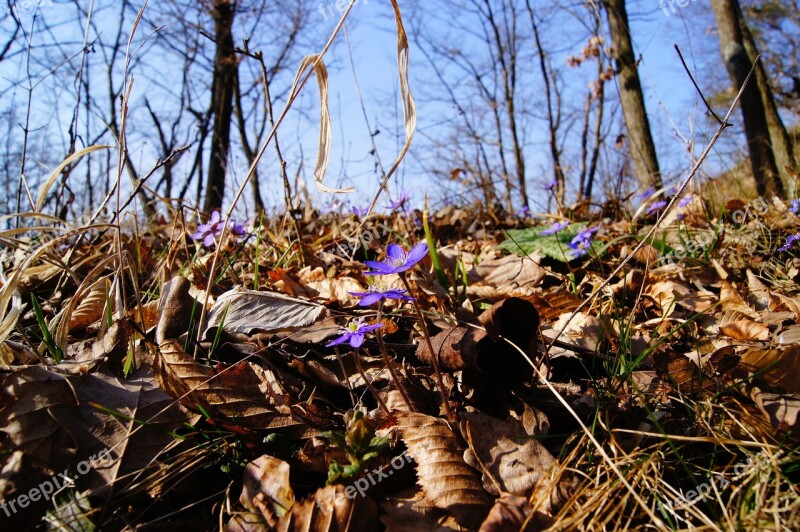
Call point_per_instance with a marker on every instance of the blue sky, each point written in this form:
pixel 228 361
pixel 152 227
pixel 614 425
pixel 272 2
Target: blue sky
pixel 676 113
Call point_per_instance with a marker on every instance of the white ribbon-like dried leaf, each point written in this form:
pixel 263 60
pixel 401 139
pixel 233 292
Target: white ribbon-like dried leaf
pixel 250 310
pixel 314 61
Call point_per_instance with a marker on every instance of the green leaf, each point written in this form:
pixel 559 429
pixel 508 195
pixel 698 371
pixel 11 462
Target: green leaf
pixel 526 241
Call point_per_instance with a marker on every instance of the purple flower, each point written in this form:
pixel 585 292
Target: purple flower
pixel 360 212
pixel 582 242
pixel 523 212
pixel 685 201
pixel 790 240
pixel 397 260
pixel 377 292
pixel 208 232
pixel 795 208
pixel 551 185
pixel 354 333
pixel 554 228
pixel 237 229
pixel 646 194
pixel 399 203
pixel 657 206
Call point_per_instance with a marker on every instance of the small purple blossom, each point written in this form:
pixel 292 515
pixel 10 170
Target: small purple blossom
pixel 795 207
pixel 646 194
pixel 354 333
pixel 360 212
pixel 551 185
pixel 790 240
pixel 581 243
pixel 523 212
pixel 657 206
pixel 554 228
pixel 397 260
pixel 399 203
pixel 237 229
pixel 377 292
pixel 685 201
pixel 208 232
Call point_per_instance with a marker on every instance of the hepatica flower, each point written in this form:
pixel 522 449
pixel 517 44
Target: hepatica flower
pixel 399 202
pixel 554 228
pixel 685 201
pixel 551 185
pixel 790 240
pixel 397 260
pixel 360 212
pixel 646 194
pixel 795 208
pixel 582 242
pixel 657 206
pixel 354 333
pixel 208 232
pixel 523 212
pixel 379 291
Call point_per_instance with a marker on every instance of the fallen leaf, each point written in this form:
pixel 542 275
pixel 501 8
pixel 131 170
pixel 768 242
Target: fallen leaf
pixel 247 311
pixel 445 477
pixel 745 330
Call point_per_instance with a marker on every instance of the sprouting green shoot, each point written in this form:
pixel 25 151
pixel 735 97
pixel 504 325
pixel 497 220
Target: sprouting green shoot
pixel 47 336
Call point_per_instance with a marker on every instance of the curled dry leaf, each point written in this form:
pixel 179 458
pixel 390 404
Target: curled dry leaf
pixel 512 319
pixel 445 477
pixel 782 411
pixel 410 511
pixel 509 512
pixel 175 309
pixel 248 311
pixel 237 394
pixel 511 275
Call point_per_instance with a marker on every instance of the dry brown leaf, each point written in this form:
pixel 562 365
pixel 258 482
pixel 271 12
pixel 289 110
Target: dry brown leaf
pixel 775 367
pixel 509 276
pixel 91 307
pixel 266 489
pixel 175 307
pixel 510 460
pixel 236 394
pixel 509 512
pixel 745 330
pixel 730 299
pixel 410 511
pixel 331 509
pixel 445 477
pixel 781 410
pixel 67 418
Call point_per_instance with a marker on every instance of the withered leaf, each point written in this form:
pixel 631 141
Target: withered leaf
pixel 445 477
pixel 237 395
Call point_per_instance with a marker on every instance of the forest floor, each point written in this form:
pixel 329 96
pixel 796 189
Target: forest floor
pixel 185 377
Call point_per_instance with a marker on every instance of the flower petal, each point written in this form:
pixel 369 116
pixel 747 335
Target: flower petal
pixel 208 241
pixel 395 252
pixel 356 339
pixel 416 254
pixel 342 339
pixel 370 299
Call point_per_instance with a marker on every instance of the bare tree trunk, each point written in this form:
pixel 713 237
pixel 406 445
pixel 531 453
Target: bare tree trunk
pixel 224 80
pixel 779 138
pixel 640 138
pixel 731 43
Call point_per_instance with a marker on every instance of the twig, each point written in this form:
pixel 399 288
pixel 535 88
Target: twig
pixel 710 110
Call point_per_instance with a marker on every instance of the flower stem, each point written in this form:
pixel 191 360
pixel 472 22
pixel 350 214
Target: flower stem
pixel 369 384
pixel 388 361
pixel 434 355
